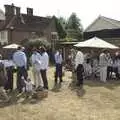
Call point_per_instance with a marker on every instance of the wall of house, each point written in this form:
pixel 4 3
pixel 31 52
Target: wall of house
pixel 51 34
pixel 50 29
pixel 18 36
pixel 112 35
pixel 4 37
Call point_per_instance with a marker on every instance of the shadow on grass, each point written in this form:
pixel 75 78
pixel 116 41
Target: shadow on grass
pixel 80 91
pixel 30 101
pixel 13 100
pixel 16 98
pixel 111 84
pixel 56 88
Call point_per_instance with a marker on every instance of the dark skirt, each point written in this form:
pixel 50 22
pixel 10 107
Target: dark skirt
pixel 80 71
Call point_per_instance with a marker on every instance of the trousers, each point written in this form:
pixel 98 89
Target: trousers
pixel 58 72
pixel 21 71
pixel 103 73
pixel 44 78
pixel 9 83
pixel 37 77
pixel 80 70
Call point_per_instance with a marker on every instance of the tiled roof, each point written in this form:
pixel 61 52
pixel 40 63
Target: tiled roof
pixel 102 23
pixel 2 15
pixel 2 24
pixel 25 22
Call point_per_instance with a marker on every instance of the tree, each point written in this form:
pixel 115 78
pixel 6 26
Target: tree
pixel 63 22
pixel 60 29
pixel 74 28
pixel 59 22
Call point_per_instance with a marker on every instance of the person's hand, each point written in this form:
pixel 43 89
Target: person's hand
pixel 74 70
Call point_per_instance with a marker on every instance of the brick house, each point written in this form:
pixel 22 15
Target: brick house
pixel 16 27
pixel 105 28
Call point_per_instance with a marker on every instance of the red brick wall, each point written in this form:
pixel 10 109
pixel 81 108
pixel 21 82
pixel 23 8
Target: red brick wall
pixel 50 28
pixel 18 36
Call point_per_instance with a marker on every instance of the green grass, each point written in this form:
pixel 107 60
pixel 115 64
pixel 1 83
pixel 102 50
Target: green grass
pixel 96 101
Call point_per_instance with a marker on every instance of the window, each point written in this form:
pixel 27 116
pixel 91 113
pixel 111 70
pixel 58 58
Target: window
pixel 3 43
pixel 54 35
pixel 2 35
pixel 15 12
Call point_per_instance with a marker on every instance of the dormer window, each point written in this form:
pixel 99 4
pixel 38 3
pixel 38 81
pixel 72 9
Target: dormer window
pixel 54 35
pixel 2 35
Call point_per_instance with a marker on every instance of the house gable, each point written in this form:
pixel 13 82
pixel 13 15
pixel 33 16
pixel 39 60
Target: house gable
pixel 103 23
pixel 2 15
pixel 21 26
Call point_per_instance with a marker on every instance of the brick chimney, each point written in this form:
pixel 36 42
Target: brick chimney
pixel 9 11
pixel 30 11
pixel 17 11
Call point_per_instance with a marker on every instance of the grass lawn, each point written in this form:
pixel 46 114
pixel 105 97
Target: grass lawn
pixel 96 101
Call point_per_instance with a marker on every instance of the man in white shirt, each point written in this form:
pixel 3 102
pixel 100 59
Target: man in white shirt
pixel 103 65
pixel 79 60
pixel 20 61
pixel 44 66
pixel 58 64
pixel 36 66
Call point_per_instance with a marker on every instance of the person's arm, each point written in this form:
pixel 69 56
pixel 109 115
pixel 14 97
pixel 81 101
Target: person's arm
pixel 38 60
pixel 14 58
pixel 55 57
pixel 5 72
pixel 47 61
pixel 31 86
pixel 61 59
pixel 76 61
pixel 25 81
pixel 25 60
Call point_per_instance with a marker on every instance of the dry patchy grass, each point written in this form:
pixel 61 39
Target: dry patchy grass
pixel 97 101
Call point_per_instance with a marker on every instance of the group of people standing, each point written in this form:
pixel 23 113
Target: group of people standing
pixel 19 63
pixel 104 64
pixel 109 65
pixel 39 61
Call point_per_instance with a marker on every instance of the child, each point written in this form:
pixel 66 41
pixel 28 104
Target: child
pixel 28 87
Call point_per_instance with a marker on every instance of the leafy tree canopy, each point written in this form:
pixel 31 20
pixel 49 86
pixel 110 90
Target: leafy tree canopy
pixel 74 27
pixel 60 29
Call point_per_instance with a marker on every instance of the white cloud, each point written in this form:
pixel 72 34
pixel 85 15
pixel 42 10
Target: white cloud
pixel 86 10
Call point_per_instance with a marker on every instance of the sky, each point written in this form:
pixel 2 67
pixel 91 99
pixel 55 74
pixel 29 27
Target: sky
pixel 86 10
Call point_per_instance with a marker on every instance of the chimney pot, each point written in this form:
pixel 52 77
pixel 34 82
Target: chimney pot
pixel 17 11
pixel 30 11
pixel 9 11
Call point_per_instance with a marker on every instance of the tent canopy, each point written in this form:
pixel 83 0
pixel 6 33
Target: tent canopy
pixel 11 46
pixel 96 43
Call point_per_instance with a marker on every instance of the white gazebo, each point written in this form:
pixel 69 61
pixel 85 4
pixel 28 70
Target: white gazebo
pixel 95 42
pixel 11 46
